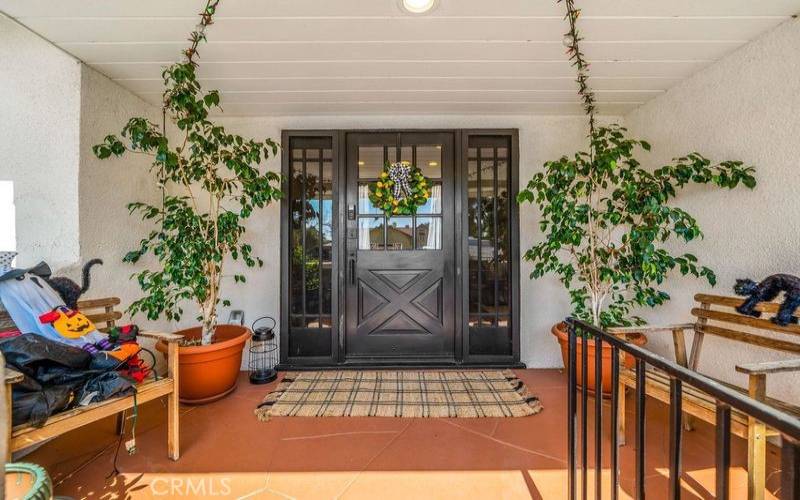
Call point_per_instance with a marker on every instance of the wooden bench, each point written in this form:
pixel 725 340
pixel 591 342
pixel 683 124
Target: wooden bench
pixel 716 315
pixel 102 313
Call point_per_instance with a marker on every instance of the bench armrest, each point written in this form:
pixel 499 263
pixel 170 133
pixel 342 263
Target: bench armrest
pixel 166 337
pixel 789 365
pixel 650 328
pixel 12 376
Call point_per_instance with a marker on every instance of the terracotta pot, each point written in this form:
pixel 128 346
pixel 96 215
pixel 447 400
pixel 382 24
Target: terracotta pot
pixel 560 332
pixel 209 372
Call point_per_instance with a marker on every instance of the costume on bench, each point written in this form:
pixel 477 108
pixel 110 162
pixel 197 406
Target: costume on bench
pixel 27 297
pixel 64 359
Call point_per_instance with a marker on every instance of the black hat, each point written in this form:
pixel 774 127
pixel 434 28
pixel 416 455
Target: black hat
pixel 40 269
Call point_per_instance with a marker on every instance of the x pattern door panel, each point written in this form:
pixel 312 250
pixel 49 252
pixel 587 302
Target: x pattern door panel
pixel 386 294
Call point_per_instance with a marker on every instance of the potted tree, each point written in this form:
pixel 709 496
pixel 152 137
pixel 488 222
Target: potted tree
pixel 211 183
pixel 608 224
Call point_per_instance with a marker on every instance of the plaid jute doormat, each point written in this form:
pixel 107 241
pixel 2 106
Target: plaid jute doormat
pixel 400 393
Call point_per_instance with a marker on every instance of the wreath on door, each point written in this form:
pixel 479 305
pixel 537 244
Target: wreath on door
pixel 401 189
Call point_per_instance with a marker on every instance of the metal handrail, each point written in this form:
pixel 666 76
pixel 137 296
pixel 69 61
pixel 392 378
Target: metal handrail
pixel 726 399
pixel 778 420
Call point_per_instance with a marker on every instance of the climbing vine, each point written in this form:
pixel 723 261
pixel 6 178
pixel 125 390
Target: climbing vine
pixel 572 41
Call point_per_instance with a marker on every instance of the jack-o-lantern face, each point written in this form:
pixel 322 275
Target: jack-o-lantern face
pixel 68 323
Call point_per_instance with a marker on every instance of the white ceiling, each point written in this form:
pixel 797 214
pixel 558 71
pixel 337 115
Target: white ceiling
pixel 367 56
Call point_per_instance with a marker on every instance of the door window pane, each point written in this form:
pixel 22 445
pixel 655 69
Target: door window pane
pixel 434 203
pixel 407 154
pixel 400 233
pixel 365 206
pixel 429 233
pixel 370 233
pixel 429 161
pixel 326 219
pixel 370 161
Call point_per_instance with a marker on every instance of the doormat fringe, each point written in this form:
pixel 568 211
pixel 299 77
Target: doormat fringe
pixel 400 393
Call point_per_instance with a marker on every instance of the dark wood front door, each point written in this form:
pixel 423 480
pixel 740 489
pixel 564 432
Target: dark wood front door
pixel 400 270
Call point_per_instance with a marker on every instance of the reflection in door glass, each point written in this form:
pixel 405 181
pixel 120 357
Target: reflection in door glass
pixel 434 203
pixel 429 161
pixel 429 233
pixel 365 206
pixel 370 161
pixel 370 233
pixel 400 233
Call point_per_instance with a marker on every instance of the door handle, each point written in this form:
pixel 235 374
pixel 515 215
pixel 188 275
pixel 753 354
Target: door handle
pixel 352 270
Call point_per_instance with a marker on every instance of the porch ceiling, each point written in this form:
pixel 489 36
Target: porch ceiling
pixel 356 56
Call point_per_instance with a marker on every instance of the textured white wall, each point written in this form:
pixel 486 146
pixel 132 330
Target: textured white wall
pixel 107 186
pixel 542 138
pixel 747 107
pixel 39 124
pixel 70 206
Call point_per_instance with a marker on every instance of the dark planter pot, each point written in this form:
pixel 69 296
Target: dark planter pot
pixel 209 372
pixel 560 332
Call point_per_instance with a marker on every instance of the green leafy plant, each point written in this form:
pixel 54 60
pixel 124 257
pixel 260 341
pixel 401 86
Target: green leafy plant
pixel 608 221
pixel 212 183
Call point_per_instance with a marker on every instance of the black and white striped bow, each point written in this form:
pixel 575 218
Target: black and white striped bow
pixel 400 175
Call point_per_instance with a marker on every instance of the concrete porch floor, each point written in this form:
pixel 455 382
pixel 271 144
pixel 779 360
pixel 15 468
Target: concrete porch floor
pixel 227 452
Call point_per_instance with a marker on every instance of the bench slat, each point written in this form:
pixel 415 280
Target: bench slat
pixel 719 300
pixel 25 435
pixel 104 317
pixel 749 338
pixel 789 365
pixel 739 319
pixel 166 337
pixel 96 303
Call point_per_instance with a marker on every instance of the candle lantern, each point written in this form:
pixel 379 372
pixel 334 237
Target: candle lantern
pixel 263 351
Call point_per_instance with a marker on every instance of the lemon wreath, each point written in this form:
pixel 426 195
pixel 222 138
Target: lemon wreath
pixel 401 190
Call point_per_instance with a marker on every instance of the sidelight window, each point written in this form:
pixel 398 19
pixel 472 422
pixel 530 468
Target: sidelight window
pixel 488 240
pixel 311 258
pixel 378 232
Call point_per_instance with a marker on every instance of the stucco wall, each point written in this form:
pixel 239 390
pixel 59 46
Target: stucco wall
pixel 70 206
pixel 107 186
pixel 39 136
pixel 541 138
pixel 747 107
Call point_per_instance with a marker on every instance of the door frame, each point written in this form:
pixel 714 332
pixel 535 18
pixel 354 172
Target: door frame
pixel 461 283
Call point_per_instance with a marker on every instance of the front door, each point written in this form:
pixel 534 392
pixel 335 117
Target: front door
pixel 400 270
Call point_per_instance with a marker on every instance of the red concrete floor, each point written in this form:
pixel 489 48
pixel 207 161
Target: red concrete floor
pixel 227 452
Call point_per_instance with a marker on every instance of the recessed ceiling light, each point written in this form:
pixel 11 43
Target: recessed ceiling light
pixel 418 6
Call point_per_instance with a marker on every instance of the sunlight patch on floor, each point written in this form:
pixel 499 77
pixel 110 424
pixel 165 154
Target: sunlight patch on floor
pixel 553 484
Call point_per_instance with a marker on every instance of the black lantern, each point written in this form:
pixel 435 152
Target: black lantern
pixel 263 351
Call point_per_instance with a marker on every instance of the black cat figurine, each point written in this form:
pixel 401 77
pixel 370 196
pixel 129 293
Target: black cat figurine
pixel 68 289
pixel 767 290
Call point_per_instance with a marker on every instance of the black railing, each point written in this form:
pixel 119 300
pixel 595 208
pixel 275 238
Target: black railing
pixel 726 399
